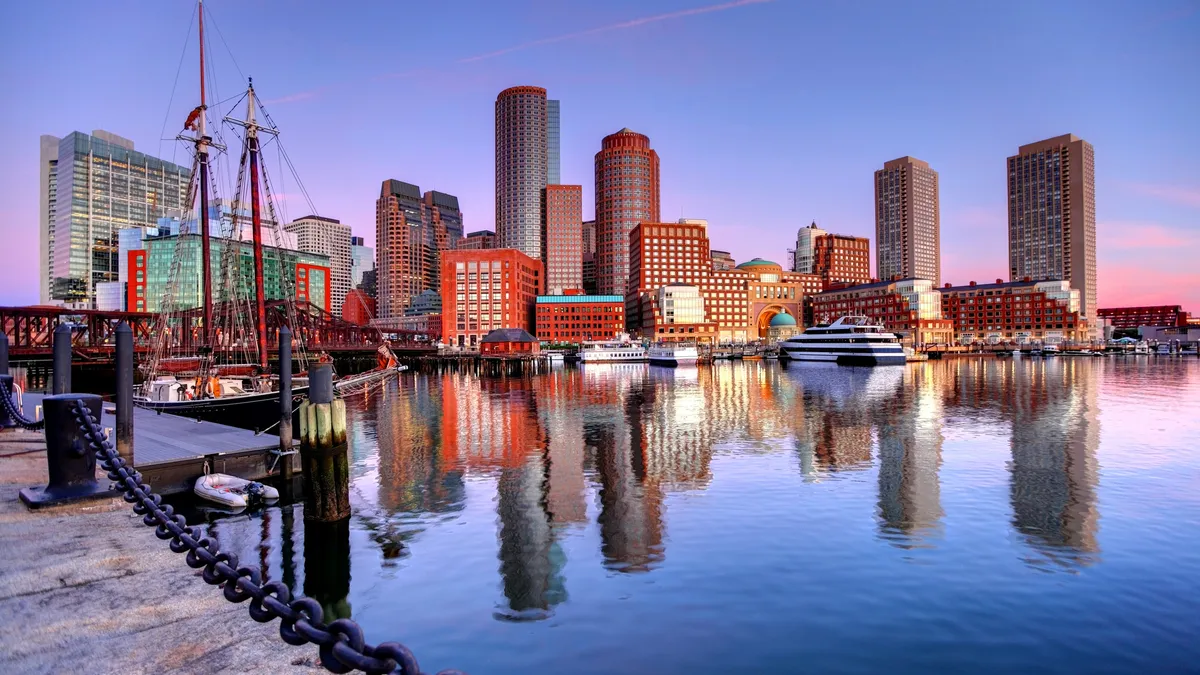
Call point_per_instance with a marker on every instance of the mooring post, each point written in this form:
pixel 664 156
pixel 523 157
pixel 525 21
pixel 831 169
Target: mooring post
pixel 62 359
pixel 124 394
pixel 323 449
pixel 71 463
pixel 285 401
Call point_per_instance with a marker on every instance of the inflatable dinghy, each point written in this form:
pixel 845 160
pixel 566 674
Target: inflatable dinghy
pixel 233 492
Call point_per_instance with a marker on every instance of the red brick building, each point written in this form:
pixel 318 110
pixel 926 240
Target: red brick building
pixel 738 303
pixel 1129 317
pixel 911 308
pixel 135 288
pixel 626 194
pixel 485 290
pixel 562 237
pixel 841 258
pixel 358 308
pixel 1016 311
pixel 579 318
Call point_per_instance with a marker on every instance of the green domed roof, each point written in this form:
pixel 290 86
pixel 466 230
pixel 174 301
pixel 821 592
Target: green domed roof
pixel 782 320
pixel 757 262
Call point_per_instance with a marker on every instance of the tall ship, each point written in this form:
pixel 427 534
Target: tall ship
pixel 849 341
pixel 212 362
pixel 673 354
pixel 621 350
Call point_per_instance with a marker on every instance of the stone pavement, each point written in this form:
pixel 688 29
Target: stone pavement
pixel 89 588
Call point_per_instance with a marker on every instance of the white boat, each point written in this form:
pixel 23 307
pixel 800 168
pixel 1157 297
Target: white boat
pixel 621 350
pixel 1164 349
pixel 674 355
pixel 1141 348
pixel 1078 352
pixel 851 341
pixel 555 356
pixel 231 491
pixel 1050 350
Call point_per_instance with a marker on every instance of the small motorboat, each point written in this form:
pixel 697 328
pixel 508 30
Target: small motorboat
pixel 233 492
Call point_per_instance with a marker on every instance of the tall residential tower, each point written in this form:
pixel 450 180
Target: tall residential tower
pixel 562 238
pixel 527 159
pixel 907 221
pixel 1052 216
pixel 626 194
pixel 327 237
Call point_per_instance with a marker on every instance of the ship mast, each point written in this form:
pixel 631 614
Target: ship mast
pixel 202 144
pixel 253 129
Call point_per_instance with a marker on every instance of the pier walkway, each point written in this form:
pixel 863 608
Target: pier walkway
pixel 171 451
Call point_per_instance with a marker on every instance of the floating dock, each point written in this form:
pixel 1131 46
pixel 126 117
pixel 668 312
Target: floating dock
pixel 171 451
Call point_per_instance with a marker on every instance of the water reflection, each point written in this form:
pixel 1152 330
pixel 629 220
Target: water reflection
pixel 580 468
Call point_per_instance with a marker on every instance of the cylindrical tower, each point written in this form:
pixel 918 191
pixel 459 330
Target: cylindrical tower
pixel 521 158
pixel 626 194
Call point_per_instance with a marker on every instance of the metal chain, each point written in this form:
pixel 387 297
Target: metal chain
pixel 341 644
pixel 18 417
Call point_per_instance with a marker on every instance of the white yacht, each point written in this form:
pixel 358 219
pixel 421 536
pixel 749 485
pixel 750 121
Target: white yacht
pixel 621 350
pixel 674 355
pixel 851 341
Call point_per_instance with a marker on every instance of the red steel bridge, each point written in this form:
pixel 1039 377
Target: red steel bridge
pixel 30 331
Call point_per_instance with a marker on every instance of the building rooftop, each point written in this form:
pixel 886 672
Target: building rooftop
pixel 757 262
pixel 508 335
pixel 555 299
pixel 783 320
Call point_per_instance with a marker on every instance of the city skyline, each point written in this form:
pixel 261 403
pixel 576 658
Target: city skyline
pixel 757 178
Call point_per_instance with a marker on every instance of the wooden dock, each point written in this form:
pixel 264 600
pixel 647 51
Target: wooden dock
pixel 171 451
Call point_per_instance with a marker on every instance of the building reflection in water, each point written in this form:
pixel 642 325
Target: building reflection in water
pixel 1055 436
pixel 910 456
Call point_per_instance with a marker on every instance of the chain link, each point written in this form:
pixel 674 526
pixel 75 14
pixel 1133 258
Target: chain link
pixel 17 417
pixel 341 645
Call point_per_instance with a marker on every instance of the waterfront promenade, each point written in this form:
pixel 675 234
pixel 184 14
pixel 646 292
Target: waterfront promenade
pixel 87 587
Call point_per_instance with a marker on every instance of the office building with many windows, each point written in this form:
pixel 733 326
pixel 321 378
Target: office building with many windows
pixel 522 167
pixel 910 308
pixel 907 221
pixel 362 260
pixel 411 234
pixel 330 238
pixel 1017 311
pixel 841 259
pixel 1052 216
pixel 488 289
pixel 579 318
pixel 562 237
pixel 92 187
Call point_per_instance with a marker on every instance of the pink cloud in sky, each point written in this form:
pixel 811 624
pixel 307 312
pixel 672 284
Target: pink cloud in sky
pixel 1186 195
pixel 1133 234
pixel 1134 285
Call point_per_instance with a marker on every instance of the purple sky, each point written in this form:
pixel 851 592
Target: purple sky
pixel 766 115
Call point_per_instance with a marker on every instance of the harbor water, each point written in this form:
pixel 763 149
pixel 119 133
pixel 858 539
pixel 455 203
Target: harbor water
pixel 973 514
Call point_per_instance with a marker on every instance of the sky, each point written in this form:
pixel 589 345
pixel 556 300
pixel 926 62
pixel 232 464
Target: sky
pixel 766 114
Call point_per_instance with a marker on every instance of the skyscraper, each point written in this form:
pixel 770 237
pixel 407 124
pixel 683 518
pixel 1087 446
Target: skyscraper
pixel 411 232
pixel 907 221
pixel 522 168
pixel 362 260
pixel 626 194
pixel 805 241
pixel 1052 216
pixel 328 237
pixel 553 144
pixel 112 186
pixel 841 259
pixel 562 238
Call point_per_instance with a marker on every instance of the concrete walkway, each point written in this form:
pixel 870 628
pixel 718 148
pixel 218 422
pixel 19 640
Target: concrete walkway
pixel 89 588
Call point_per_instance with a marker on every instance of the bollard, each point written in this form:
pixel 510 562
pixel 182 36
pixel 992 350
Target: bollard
pixel 6 390
pixel 71 463
pixel 322 451
pixel 327 566
pixel 285 401
pixel 62 359
pixel 124 395
pixel 3 354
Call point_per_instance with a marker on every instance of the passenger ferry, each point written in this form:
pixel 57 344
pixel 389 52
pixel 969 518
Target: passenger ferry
pixel 674 355
pixel 850 341
pixel 621 350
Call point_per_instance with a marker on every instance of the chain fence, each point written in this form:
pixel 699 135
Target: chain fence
pixel 340 643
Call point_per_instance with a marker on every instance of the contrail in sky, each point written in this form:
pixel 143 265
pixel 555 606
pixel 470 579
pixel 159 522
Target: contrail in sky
pixel 633 23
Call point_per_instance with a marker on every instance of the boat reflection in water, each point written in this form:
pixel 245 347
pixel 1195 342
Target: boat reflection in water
pixel 623 490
